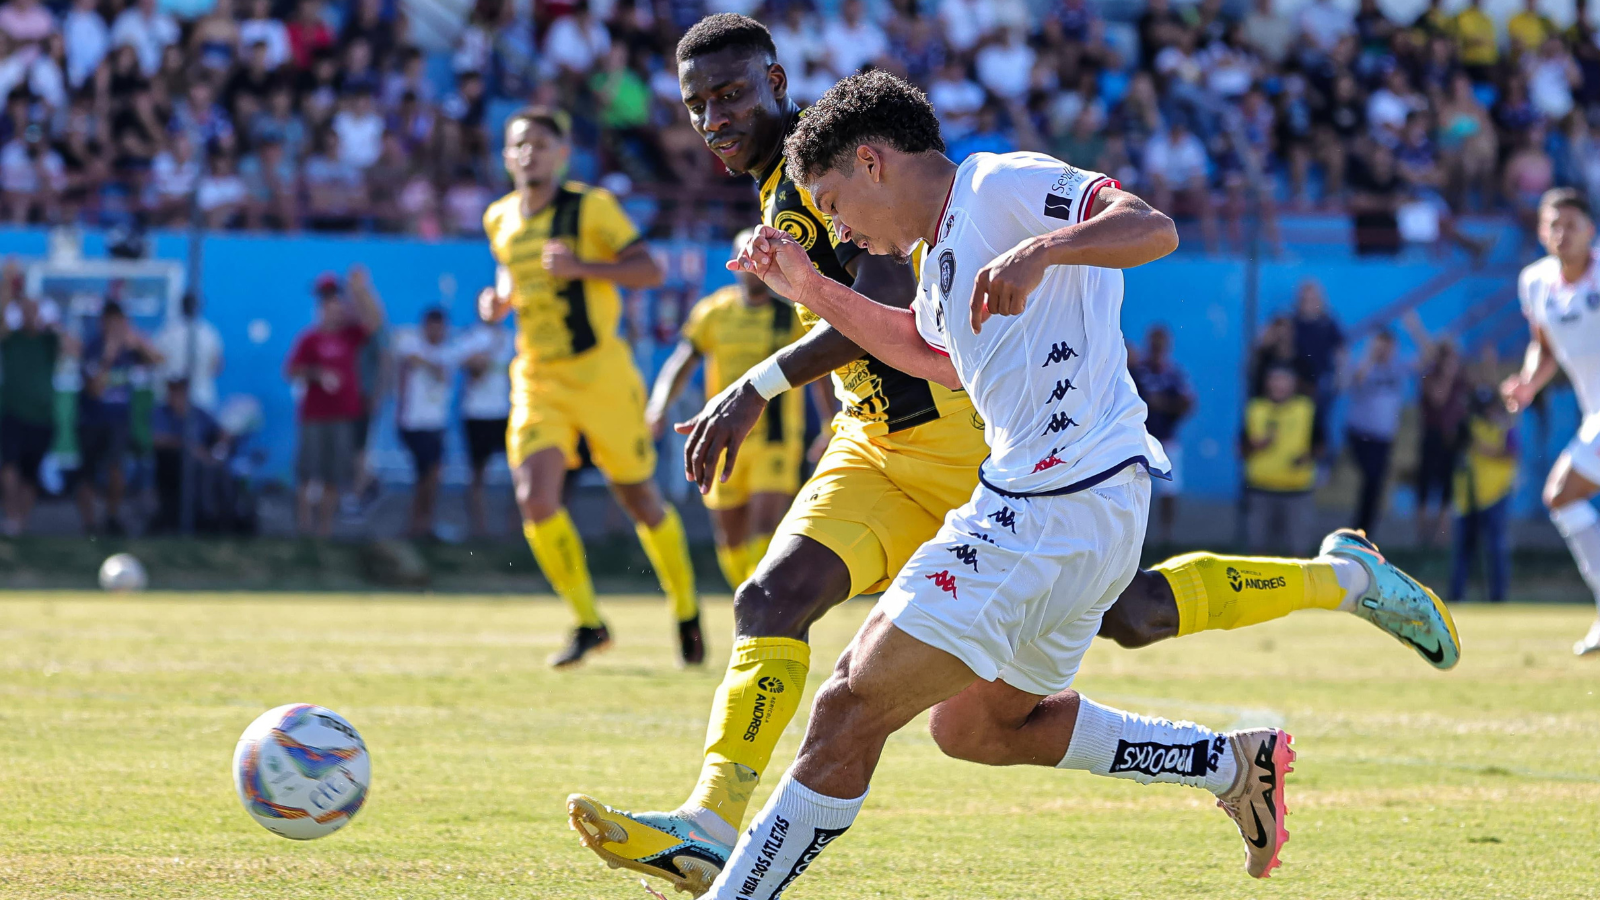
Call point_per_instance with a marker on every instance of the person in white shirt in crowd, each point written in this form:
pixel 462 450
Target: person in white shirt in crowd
pixel 1272 35
pixel 423 411
pixel 1389 106
pixel 26 22
pixel 87 40
pixel 1005 67
pixel 32 176
pixel 484 354
pixel 1324 22
pixel 360 130
pixel 957 99
pixel 262 28
pixel 174 173
pixel 577 42
pixel 173 341
pixel 852 40
pixel 222 194
pixel 147 30
pixel 1177 170
pixel 966 22
pixel 799 40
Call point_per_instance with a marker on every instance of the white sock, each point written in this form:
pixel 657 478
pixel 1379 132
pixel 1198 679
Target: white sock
pixel 711 824
pixel 788 833
pixel 1352 577
pixel 1579 524
pixel 1108 741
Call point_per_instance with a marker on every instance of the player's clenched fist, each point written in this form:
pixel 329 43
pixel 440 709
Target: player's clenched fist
pixel 777 259
pixel 560 261
pixel 1004 284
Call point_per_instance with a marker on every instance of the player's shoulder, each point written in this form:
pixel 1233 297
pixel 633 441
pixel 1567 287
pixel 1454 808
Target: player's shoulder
pixel 1540 271
pixel 498 212
pixel 718 301
pixel 591 193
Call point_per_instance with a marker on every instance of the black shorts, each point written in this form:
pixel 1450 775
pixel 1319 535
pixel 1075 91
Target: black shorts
pixel 427 449
pixel 102 448
pixel 485 438
pixel 24 445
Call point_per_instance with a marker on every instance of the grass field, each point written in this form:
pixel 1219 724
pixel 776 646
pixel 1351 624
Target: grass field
pixel 118 719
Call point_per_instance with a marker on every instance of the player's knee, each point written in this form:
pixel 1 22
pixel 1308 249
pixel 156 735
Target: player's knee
pixel 765 606
pixel 967 738
pixel 1143 615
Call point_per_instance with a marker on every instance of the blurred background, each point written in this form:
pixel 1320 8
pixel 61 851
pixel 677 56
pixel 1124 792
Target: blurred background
pixel 1354 186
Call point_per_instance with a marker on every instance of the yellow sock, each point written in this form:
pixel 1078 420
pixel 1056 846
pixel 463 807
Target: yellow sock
pixel 668 550
pixel 1221 592
pixel 755 702
pixel 559 552
pixel 754 549
pixel 734 563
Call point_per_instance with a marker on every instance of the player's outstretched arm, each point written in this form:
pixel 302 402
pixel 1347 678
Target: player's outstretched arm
pixel 1122 232
pixel 887 332
pixel 669 384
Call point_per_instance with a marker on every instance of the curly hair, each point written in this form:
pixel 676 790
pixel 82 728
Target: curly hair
pixel 872 106
pixel 724 30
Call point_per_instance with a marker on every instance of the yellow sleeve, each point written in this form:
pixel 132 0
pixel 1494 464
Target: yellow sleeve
pixel 491 227
pixel 697 328
pixel 603 224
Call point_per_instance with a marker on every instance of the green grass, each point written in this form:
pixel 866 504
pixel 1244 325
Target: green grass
pixel 118 718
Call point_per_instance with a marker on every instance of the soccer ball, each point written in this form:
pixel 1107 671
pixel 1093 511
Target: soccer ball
pixel 122 572
pixel 301 771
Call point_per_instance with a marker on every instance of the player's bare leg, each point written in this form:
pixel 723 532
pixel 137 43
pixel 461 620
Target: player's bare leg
pixel 1566 495
pixel 558 549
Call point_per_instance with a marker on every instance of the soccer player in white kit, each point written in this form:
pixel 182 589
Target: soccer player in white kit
pixel 1560 296
pixel 996 611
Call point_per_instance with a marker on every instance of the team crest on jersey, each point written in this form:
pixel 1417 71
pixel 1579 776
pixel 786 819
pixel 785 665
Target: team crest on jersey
pixel 800 227
pixel 947 272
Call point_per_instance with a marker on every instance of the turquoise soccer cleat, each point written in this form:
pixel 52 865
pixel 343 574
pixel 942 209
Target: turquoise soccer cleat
pixel 1398 603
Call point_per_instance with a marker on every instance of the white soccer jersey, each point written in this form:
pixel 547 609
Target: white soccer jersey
pixel 1052 384
pixel 1569 314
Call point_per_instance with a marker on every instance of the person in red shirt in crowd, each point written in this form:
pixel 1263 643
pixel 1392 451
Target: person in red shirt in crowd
pixel 308 33
pixel 324 363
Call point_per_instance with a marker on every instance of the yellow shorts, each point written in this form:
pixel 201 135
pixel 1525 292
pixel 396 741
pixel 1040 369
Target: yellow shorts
pixel 761 468
pixel 598 395
pixel 874 501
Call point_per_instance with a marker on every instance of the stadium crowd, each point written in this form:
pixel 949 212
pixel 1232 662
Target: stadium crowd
pixel 316 114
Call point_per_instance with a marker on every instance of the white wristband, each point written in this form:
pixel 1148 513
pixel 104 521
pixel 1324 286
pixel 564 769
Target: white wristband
pixel 768 379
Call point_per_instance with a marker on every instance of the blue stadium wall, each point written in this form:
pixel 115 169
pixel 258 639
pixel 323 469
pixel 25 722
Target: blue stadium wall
pixel 250 280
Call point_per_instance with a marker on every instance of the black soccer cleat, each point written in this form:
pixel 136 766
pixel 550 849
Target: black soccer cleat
pixel 585 640
pixel 691 642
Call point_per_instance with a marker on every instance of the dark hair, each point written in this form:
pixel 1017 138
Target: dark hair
pixel 434 314
pixel 1571 198
pixel 872 106
pixel 555 121
pixel 111 309
pixel 723 31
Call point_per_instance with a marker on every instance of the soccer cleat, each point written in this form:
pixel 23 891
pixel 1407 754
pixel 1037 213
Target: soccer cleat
pixel 691 642
pixel 665 845
pixel 1255 802
pixel 585 640
pixel 1591 641
pixel 1398 603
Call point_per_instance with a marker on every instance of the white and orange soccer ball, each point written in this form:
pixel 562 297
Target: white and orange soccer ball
pixel 301 771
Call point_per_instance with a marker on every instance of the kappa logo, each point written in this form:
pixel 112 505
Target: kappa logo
pixel 965 555
pixel 1050 462
pixel 1005 517
pixel 944 581
pixel 938 317
pixel 947 272
pixel 770 684
pixel 1061 388
pixel 1059 352
pixel 949 223
pixel 980 536
pixel 1151 758
pixel 1058 207
pixel 1239 580
pixel 1058 423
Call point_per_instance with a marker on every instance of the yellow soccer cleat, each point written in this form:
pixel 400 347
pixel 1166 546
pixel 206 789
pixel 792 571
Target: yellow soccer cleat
pixel 665 845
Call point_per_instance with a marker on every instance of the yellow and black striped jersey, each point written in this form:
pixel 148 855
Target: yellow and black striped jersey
pixel 560 318
pixel 874 397
pixel 733 336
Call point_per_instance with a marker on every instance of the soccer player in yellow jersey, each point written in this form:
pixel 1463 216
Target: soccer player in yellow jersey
pixel 563 249
pixel 904 453
pixel 732 330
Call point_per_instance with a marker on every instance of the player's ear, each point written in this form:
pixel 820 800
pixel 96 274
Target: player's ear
pixel 869 161
pixel 778 80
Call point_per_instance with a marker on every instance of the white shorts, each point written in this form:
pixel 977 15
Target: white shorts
pixel 1015 588
pixel 1584 449
pixel 1165 487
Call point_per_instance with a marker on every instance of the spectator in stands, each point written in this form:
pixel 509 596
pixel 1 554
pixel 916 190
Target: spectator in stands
pixel 273 186
pixel 576 42
pixel 484 353
pixel 86 39
pixel 1005 66
pixel 214 39
pixel 1274 349
pixel 308 33
pixel 1323 23
pixel 1376 194
pixel 1280 444
pixel 262 28
pixel 1529 28
pixel 1444 398
pixel 27 23
pixel 30 347
pixel 1165 390
pixel 1377 388
pixel 1467 145
pixel 336 194
pixel 423 411
pixel 147 30
pixel 1318 348
pixel 174 174
pixel 1483 486
pixel 222 195
pixel 324 364
pixel 174 340
pixel 109 361
pixel 360 130
pixel 32 177
pixel 852 40
pixel 1177 171
pixel 171 442
pixel 1477 41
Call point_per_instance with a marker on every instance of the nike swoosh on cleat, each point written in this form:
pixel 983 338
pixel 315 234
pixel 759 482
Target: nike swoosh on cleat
pixel 1260 840
pixel 1436 655
pixel 697 836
